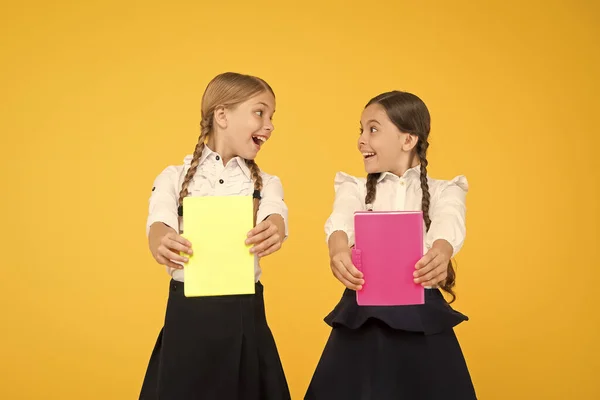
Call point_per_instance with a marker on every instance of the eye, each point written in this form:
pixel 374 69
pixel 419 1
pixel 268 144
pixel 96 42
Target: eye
pixel 259 113
pixel 372 129
pixel 360 130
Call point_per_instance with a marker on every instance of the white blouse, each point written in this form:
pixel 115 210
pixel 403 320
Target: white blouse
pixel 212 178
pixel 447 204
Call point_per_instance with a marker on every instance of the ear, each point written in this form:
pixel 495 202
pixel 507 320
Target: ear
pixel 220 117
pixel 409 142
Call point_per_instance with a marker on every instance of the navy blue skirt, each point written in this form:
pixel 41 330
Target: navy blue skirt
pixel 381 353
pixel 217 348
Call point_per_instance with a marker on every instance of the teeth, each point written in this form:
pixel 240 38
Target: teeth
pixel 368 154
pixel 261 138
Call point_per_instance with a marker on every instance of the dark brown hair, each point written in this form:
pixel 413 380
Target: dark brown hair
pixel 410 115
pixel 225 90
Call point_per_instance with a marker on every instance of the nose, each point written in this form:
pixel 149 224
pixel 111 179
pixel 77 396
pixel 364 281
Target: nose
pixel 361 140
pixel 268 127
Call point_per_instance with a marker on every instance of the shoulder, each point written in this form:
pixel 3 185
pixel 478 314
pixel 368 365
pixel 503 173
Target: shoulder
pixel 458 184
pixel 269 179
pixel 342 178
pixel 172 174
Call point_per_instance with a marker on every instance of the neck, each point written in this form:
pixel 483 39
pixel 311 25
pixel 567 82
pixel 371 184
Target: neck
pixel 405 165
pixel 218 145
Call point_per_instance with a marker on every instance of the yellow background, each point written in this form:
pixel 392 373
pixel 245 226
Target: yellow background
pixel 98 97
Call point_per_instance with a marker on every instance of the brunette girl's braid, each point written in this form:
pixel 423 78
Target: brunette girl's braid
pixel 205 127
pixel 371 190
pixel 257 185
pixel 422 146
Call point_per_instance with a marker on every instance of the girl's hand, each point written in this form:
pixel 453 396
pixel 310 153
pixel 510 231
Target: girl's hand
pixel 267 236
pixel 343 269
pixel 166 245
pixel 340 261
pixel 433 267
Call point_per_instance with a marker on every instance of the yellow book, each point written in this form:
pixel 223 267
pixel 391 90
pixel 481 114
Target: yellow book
pixel 217 227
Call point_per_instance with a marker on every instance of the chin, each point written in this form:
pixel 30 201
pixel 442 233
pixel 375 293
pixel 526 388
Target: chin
pixel 372 169
pixel 248 155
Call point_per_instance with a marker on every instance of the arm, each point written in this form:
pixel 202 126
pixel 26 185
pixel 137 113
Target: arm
pixel 163 223
pixel 339 229
pixel 446 234
pixel 268 236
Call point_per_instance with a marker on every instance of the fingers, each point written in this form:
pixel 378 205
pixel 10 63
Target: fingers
pixel 164 261
pixel 432 268
pixel 263 226
pixel 426 259
pixel 355 272
pixel 346 262
pixel 174 241
pixel 436 279
pixel 271 249
pixel 179 239
pixel 170 247
pixel 433 272
pixel 168 254
pixel 265 237
pixel 344 269
pixel 344 281
pixel 267 243
pixel 262 235
pixel 427 268
pixel 177 243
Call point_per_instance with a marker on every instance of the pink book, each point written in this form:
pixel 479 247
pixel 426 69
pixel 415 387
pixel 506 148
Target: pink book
pixel 388 246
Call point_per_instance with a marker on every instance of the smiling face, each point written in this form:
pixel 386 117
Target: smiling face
pixel 249 125
pixel 241 129
pixel 383 146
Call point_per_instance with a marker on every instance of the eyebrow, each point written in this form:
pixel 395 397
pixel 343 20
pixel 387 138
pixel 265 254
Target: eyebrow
pixel 266 105
pixel 371 120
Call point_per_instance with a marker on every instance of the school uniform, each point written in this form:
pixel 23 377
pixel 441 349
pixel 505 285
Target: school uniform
pixel 395 352
pixel 217 347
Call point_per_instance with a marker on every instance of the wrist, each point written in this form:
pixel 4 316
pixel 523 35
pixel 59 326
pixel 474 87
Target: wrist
pixel 279 223
pixel 444 246
pixel 338 242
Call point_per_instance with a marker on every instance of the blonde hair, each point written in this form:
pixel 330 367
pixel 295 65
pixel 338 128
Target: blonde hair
pixel 225 90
